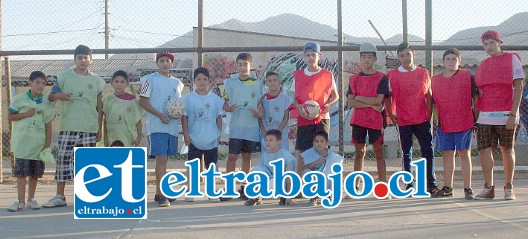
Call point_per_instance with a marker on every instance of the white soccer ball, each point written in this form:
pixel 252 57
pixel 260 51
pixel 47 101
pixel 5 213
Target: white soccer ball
pixel 175 108
pixel 311 109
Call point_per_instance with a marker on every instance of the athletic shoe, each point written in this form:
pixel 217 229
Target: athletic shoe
pixel 156 198
pixel 486 194
pixel 189 199
pixel 224 199
pixel 508 192
pixel 444 192
pixel 214 200
pixel 433 190
pixel 242 193
pixel 282 201
pixel 57 201
pixel 408 186
pixel 32 203
pixel 17 206
pixel 253 202
pixel 468 193
pixel 313 202
pixel 163 201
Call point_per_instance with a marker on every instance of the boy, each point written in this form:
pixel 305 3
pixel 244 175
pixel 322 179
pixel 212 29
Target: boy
pixel 411 90
pixel 31 115
pixel 242 94
pixel 312 83
pixel 452 92
pixel 276 106
pixel 122 114
pixel 158 88
pixel 80 92
pixel 273 152
pixel 202 121
pixel 500 80
pixel 366 92
pixel 320 158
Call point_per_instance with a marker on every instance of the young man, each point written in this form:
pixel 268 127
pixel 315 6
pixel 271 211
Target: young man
pixel 242 94
pixel 366 93
pixel 80 92
pixel 452 91
pixel 317 84
pixel 158 88
pixel 411 93
pixel 500 80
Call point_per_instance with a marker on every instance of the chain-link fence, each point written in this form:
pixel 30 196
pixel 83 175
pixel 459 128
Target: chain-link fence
pixel 273 31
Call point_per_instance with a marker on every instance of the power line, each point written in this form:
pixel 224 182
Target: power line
pixel 45 33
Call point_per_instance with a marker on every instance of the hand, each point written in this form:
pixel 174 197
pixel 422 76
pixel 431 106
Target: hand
pixel 321 160
pixel 510 124
pixel 263 133
pixel 105 142
pixel 64 96
pixel 393 118
pixel 164 119
pixel 231 108
pixel 30 112
pixel 187 140
pixel 257 113
pixel 137 141
pixel 301 112
pixel 326 109
pixel 378 108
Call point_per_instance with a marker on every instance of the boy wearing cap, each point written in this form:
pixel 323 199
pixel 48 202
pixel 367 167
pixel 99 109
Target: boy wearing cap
pixel 80 92
pixel 500 80
pixel 242 94
pixel 317 84
pixel 366 92
pixel 157 89
pixel 411 93
pixel 452 92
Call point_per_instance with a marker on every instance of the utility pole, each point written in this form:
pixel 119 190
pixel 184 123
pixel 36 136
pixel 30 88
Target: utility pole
pixel 404 20
pixel 107 30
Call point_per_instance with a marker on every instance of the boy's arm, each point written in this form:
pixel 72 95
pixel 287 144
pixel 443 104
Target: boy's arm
pixel 334 97
pixel 316 162
pixel 185 129
pixel 285 120
pixel 219 125
pixel 145 104
pixel 262 128
pixel 375 101
pixel 12 116
pixel 429 103
pixel 518 85
pixel 388 110
pixel 139 128
pixel 48 135
pixel 100 116
pixel 105 132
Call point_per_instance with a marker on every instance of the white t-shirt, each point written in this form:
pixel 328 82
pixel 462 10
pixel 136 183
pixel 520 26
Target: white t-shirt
pixel 334 86
pixel 501 117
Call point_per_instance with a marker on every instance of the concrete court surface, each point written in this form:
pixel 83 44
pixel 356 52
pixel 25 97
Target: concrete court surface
pixel 366 218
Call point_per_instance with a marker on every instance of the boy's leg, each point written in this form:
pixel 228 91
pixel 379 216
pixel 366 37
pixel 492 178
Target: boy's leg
pixel 64 172
pixel 376 140
pixel 486 141
pixel 449 167
pixel 466 166
pixel 425 139
pixel 21 189
pixel 507 141
pixel 161 169
pixel 406 146
pixel 235 148
pixel 303 142
pixel 32 187
pixel 359 135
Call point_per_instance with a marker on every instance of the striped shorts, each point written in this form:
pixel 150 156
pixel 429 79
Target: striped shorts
pixel 65 161
pixel 489 135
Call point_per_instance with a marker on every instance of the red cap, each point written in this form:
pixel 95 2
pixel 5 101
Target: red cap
pixel 162 54
pixel 489 34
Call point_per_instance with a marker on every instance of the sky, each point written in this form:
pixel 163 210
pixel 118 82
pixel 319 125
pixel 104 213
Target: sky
pixel 63 24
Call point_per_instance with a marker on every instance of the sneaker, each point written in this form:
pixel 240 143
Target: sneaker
pixel 408 186
pixel 486 194
pixel 433 190
pixel 17 206
pixel 253 202
pixel 189 199
pixel 163 201
pixel 282 201
pixel 214 200
pixel 242 193
pixel 508 192
pixel 444 192
pixel 468 193
pixel 156 198
pixel 57 201
pixel 313 202
pixel 32 203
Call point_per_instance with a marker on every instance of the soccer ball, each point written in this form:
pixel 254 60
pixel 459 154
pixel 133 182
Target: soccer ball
pixel 175 108
pixel 311 109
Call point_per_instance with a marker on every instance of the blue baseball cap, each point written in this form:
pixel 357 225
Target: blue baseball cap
pixel 312 46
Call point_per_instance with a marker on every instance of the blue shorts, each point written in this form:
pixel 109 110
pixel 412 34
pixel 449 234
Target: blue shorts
pixel 454 141
pixel 161 144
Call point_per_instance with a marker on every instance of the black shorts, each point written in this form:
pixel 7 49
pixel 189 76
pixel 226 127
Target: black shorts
pixel 306 133
pixel 359 135
pixel 237 146
pixel 210 156
pixel 29 168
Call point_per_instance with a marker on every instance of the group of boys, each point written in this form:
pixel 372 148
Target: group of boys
pixel 407 95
